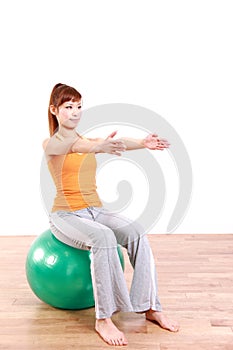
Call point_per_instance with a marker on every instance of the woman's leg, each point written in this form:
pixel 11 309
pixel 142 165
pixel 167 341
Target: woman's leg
pixel 144 288
pixel 110 289
pixel 109 285
pixel 129 234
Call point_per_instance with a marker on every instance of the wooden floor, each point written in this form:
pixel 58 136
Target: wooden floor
pixel 195 275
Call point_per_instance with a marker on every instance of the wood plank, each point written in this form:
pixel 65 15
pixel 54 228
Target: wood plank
pixel 195 283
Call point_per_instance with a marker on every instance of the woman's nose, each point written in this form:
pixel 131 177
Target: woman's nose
pixel 76 111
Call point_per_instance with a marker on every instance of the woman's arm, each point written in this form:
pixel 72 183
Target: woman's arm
pixel 99 145
pixel 152 141
pixel 132 143
pixel 61 146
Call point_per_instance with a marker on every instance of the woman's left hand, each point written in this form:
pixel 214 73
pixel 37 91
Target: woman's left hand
pixel 153 142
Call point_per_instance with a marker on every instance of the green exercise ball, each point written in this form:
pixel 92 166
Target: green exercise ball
pixel 60 275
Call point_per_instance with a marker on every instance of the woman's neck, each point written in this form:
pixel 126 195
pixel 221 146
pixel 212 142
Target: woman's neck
pixel 64 132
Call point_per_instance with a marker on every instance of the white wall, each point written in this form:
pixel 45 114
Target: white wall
pixel 173 57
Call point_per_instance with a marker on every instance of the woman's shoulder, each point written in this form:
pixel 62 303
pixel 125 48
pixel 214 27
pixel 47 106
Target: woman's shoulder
pixel 45 143
pixel 50 141
pixel 49 144
pixel 57 145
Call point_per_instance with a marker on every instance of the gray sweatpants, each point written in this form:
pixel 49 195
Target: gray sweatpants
pixel 99 231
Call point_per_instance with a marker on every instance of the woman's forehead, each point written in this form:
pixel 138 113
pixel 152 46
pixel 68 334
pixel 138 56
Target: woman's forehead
pixel 73 102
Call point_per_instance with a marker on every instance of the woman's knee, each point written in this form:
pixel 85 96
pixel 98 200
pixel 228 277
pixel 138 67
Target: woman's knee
pixel 104 238
pixel 131 233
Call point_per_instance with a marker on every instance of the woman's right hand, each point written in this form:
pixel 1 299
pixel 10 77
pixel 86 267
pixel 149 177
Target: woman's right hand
pixel 112 146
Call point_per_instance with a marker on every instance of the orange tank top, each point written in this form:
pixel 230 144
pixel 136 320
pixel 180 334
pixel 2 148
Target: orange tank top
pixel 74 175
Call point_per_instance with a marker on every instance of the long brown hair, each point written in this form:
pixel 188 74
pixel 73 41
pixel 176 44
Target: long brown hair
pixel 61 93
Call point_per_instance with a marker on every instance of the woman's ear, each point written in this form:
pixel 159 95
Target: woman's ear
pixel 52 109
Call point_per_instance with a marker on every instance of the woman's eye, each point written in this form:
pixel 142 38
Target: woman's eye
pixel 68 107
pixel 79 107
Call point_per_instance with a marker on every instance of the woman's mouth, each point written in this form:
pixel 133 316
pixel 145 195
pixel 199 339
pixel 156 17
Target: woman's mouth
pixel 75 120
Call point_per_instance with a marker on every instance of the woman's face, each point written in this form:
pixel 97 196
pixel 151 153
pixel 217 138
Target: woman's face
pixel 69 113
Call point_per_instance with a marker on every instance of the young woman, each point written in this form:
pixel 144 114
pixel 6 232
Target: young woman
pixel 79 219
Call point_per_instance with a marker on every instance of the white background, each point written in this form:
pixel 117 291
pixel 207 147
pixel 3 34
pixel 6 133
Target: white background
pixel 173 57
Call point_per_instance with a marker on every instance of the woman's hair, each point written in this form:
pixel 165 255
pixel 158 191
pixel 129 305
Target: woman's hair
pixel 61 93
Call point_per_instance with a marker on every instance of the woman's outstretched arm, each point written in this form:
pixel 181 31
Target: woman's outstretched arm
pixel 152 141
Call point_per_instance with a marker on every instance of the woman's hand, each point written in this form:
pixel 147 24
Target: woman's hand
pixel 111 146
pixel 153 142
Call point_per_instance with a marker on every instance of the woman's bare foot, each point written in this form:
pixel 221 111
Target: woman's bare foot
pixel 109 332
pixel 162 320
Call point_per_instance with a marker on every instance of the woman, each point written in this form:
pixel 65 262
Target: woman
pixel 79 219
